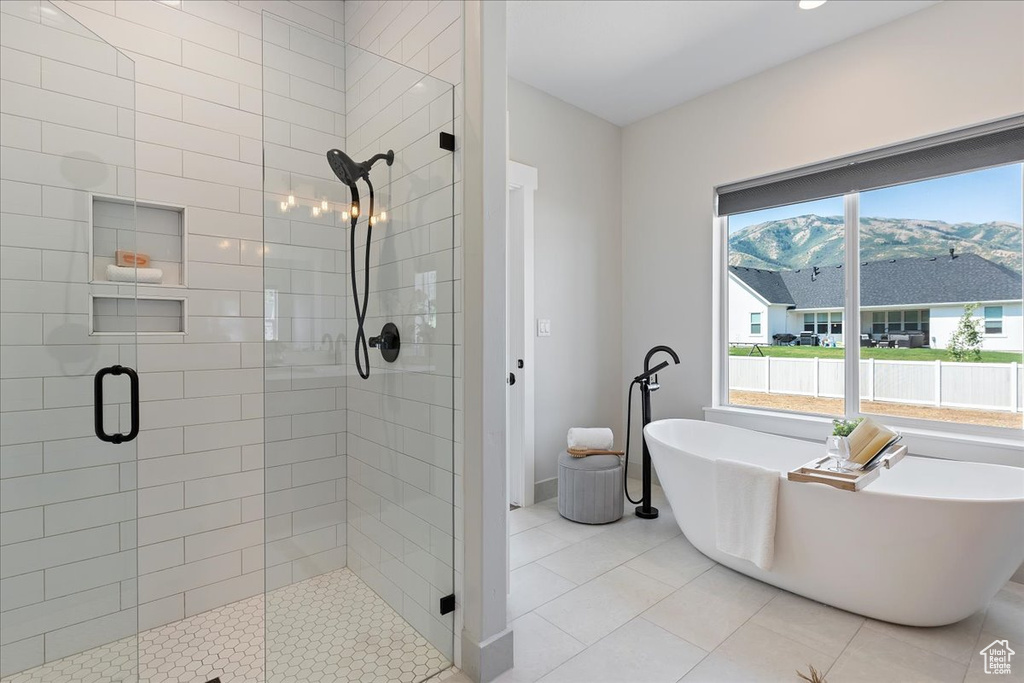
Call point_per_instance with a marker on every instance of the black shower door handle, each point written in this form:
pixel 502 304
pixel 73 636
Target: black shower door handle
pixel 133 378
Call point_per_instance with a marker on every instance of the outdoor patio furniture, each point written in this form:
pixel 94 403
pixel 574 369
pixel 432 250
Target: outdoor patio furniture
pixel 784 339
pixel 908 340
pixel 866 341
pixel 808 339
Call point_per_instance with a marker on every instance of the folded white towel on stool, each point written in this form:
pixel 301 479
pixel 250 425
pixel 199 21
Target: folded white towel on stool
pixel 745 502
pixel 122 274
pixel 596 438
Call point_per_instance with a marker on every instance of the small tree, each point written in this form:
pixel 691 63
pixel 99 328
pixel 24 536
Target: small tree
pixel 965 342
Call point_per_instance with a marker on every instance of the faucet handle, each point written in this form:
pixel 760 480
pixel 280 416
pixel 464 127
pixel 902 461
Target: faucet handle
pixel 654 386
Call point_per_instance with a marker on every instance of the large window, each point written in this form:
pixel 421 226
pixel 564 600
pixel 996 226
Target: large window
pixel 937 318
pixel 941 253
pixel 800 364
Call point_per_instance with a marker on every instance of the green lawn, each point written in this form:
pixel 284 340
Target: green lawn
pixel 877 354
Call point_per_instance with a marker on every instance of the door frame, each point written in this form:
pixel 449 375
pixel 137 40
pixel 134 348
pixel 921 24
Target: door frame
pixel 522 184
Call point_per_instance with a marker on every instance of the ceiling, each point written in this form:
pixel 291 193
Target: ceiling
pixel 624 60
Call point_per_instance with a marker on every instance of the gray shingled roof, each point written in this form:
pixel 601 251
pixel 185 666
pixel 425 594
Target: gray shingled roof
pixel 899 282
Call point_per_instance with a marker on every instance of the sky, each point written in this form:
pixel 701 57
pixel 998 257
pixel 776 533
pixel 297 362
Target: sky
pixel 990 195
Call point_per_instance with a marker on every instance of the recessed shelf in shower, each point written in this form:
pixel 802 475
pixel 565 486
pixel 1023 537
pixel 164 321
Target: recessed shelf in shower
pixel 158 230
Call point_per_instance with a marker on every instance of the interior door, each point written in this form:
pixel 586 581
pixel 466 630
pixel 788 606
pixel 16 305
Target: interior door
pixel 69 391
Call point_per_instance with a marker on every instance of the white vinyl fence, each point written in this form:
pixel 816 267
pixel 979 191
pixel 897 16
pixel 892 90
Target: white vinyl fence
pixel 983 386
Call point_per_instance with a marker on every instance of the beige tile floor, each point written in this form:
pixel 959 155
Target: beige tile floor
pixel 634 602
pixel 331 628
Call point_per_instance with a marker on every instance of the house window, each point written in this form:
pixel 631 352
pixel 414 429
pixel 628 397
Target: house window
pixel 921 254
pixel 755 323
pixel 836 325
pixel 993 320
pixel 877 322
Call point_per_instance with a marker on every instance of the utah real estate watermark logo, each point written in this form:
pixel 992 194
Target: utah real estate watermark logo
pixel 997 657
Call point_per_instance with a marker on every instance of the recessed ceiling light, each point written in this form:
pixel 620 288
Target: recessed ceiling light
pixel 811 4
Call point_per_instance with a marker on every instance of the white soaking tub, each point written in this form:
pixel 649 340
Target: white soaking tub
pixel 928 543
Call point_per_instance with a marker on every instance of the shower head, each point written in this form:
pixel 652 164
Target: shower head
pixel 349 171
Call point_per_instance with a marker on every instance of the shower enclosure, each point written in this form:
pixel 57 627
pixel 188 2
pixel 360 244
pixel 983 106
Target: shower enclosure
pixel 359 470
pixel 196 481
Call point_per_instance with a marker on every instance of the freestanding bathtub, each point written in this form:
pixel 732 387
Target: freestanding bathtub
pixel 928 543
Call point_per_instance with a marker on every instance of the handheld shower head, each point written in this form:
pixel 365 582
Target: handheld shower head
pixel 349 171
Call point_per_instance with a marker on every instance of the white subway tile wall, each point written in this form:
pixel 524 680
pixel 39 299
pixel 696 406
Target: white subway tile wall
pixel 403 423
pixel 68 516
pixel 67 500
pixel 305 307
pixel 200 139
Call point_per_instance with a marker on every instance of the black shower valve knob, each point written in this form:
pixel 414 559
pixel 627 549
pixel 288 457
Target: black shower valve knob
pixel 382 342
pixel 388 342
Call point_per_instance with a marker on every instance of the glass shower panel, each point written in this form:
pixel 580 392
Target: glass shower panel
pixel 68 567
pixel 359 472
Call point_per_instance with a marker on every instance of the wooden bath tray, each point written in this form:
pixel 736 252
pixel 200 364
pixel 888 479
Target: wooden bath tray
pixel 817 471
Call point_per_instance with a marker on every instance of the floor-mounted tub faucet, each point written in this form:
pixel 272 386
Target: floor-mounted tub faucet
pixel 648 382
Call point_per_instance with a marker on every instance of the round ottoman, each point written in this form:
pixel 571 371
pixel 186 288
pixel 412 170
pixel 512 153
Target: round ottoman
pixel 590 488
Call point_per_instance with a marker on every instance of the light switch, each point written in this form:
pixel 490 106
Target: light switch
pixel 543 327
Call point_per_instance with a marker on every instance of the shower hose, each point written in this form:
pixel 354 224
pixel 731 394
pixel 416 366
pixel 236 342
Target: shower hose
pixel 362 348
pixel 629 425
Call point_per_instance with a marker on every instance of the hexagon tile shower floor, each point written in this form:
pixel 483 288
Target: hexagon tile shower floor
pixel 331 627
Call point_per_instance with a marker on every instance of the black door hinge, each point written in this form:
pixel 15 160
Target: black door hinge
pixel 447 141
pixel 448 604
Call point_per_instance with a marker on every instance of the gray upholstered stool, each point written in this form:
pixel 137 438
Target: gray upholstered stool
pixel 590 488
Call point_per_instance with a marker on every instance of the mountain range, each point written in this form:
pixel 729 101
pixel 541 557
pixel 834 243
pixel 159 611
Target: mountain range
pixel 812 240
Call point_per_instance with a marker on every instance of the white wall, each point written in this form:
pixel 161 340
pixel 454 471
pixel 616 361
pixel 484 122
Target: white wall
pixel 945 67
pixel 742 303
pixel 577 266
pixel 943 321
pixel 304 255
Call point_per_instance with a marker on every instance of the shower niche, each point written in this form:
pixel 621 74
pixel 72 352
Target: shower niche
pixel 142 243
pixel 137 251
pixel 127 314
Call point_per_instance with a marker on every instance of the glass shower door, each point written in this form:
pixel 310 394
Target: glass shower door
pixel 358 232
pixel 68 389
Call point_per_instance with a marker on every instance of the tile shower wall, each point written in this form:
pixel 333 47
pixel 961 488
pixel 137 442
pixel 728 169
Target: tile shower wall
pixel 201 459
pixel 405 421
pixel 67 500
pixel 306 304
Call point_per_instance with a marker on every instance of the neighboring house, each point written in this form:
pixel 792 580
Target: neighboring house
pixel 898 295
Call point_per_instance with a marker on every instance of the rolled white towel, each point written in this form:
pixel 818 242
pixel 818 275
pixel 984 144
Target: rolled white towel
pixel 596 438
pixel 122 274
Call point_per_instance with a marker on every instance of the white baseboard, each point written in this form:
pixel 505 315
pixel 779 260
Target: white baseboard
pixel 542 490
pixel 484 662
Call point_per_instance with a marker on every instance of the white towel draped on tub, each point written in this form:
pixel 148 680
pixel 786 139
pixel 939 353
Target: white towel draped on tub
pixel 745 499
pixel 595 438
